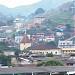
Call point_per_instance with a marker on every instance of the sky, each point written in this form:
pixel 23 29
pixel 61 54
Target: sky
pixel 15 3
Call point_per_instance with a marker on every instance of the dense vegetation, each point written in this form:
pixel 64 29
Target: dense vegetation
pixel 61 17
pixel 50 63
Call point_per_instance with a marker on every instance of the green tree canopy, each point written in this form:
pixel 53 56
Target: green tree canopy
pixel 50 63
pixel 39 11
pixel 52 43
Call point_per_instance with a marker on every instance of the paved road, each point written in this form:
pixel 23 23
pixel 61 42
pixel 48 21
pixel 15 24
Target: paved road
pixel 36 69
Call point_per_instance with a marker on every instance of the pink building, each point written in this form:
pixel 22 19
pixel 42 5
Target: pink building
pixel 39 20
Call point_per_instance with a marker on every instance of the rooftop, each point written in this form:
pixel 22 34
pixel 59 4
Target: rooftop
pixel 42 47
pixel 25 39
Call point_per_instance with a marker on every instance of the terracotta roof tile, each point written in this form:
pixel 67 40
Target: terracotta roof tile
pixel 42 47
pixel 25 39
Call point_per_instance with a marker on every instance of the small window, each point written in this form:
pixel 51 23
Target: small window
pixel 55 52
pixel 63 43
pixel 51 53
pixel 43 52
pixel 47 52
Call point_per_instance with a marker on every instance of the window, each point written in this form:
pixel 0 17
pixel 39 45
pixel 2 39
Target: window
pixel 66 50
pixel 51 53
pixel 63 43
pixel 47 52
pixel 55 52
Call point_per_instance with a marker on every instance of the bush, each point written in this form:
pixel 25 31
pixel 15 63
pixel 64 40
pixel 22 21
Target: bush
pixel 50 63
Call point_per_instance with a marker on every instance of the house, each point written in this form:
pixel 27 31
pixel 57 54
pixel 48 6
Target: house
pixel 25 42
pixel 40 36
pixel 18 23
pixel 38 20
pixel 3 38
pixel 66 44
pixel 9 52
pixel 60 27
pixel 59 33
pixel 68 50
pixel 18 37
pixel 44 48
pixel 33 38
pixel 29 25
pixel 68 62
pixel 49 38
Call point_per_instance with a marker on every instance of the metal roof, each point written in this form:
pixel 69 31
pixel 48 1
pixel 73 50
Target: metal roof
pixel 36 69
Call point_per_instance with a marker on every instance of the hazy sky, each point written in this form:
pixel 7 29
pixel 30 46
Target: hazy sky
pixel 14 3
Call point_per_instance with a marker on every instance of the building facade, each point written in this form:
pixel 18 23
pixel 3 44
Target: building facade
pixel 25 42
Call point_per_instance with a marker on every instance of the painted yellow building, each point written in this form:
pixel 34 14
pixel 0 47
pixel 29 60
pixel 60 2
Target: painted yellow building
pixel 25 43
pixel 68 50
pixel 45 48
pixel 53 51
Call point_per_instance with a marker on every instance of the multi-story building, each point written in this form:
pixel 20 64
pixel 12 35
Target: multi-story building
pixel 45 49
pixel 66 44
pixel 3 38
pixel 39 20
pixel 68 50
pixel 18 23
pixel 49 38
pixel 67 47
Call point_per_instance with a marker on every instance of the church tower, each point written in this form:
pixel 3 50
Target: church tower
pixel 25 42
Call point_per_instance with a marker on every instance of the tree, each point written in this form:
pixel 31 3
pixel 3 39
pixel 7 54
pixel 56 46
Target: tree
pixel 5 60
pixel 50 63
pixel 25 51
pixel 2 23
pixel 9 60
pixel 39 11
pixel 10 22
pixel 52 43
pixel 68 27
pixel 47 22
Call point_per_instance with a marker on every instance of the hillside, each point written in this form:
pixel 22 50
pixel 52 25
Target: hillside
pixel 61 15
pixel 25 10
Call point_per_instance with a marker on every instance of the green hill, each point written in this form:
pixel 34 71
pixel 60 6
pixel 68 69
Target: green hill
pixel 26 10
pixel 60 17
pixel 63 16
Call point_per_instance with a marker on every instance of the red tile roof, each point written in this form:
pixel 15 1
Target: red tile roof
pixel 25 39
pixel 42 47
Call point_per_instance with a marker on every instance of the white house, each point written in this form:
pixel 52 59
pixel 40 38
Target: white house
pixel 18 38
pixel 66 44
pixel 3 38
pixel 9 52
pixel 18 23
pixel 49 38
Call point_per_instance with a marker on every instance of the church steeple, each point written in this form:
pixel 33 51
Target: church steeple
pixel 25 32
